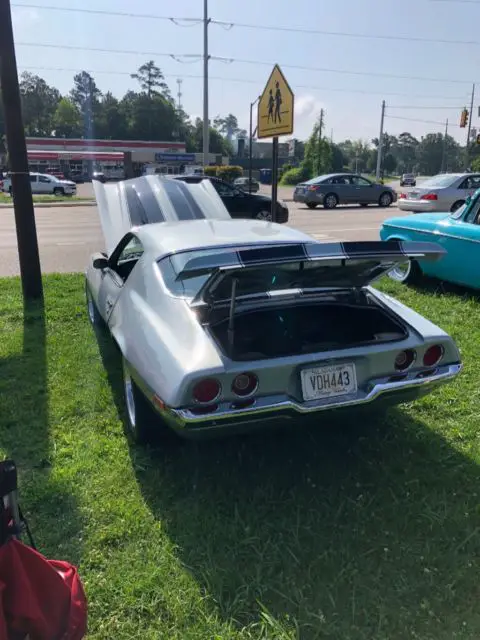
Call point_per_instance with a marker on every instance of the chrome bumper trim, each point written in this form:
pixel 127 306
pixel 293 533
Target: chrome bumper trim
pixel 276 405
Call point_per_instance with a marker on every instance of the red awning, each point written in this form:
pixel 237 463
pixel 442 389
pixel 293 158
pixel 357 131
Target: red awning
pixel 116 156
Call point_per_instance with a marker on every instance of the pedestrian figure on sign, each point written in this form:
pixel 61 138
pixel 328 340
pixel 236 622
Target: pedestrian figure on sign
pixel 278 102
pixel 271 103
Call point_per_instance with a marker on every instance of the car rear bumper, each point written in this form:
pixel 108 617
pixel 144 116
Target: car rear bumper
pixel 420 206
pixel 228 419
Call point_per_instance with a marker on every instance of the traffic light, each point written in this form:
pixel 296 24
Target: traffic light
pixel 464 118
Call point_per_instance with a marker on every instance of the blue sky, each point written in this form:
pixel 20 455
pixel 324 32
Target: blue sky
pixel 349 112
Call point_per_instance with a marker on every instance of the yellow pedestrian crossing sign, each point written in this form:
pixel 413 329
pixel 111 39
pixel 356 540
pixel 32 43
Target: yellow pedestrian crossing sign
pixel 275 109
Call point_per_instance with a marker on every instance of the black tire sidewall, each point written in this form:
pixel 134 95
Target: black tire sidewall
pixel 58 191
pixel 385 193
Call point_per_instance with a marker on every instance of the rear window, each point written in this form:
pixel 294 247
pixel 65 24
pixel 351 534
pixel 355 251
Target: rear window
pixel 439 181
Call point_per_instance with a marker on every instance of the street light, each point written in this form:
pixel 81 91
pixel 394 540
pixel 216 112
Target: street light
pixel 252 104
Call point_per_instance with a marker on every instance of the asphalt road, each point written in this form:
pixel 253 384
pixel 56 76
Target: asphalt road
pixel 69 235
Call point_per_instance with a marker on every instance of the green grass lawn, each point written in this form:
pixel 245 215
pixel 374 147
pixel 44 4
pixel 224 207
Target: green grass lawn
pixel 366 531
pixel 6 199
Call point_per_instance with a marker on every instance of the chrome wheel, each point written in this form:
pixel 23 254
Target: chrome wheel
pixel 264 215
pixel 129 398
pixel 385 200
pixel 401 272
pixel 330 202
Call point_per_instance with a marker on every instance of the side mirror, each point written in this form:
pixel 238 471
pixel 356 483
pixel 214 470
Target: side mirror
pixel 100 263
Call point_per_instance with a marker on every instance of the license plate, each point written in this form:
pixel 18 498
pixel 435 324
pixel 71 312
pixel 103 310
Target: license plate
pixel 328 382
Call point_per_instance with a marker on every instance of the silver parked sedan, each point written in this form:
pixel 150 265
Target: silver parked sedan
pixel 343 188
pixel 444 192
pixel 224 324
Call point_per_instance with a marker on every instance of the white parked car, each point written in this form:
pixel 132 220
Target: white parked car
pixel 45 184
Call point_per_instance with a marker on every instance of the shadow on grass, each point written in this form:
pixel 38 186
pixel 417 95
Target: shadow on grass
pixel 432 285
pixel 366 530
pixel 24 429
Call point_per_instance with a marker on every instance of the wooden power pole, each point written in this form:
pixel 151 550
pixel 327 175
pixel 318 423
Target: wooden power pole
pixel 17 151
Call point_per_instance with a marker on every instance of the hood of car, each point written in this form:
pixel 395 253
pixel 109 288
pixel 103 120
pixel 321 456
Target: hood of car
pixel 151 199
pixel 268 270
pixel 416 221
pixel 70 183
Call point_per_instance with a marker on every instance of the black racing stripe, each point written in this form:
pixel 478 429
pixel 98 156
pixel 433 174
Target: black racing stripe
pixel 359 249
pixel 184 204
pixel 138 215
pixel 269 254
pixel 148 200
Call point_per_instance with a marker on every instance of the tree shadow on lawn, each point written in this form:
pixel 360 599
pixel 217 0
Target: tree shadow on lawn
pixel 362 527
pixel 25 438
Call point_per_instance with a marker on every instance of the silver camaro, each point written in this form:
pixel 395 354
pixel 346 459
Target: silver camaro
pixel 223 324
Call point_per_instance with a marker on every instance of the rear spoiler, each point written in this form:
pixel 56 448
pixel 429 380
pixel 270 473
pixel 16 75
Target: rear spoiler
pixel 285 253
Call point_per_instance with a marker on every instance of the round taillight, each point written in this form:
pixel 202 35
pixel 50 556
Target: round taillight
pixel 433 355
pixel 206 390
pixel 245 384
pixel 405 359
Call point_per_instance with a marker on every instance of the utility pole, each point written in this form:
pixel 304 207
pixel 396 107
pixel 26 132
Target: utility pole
pixel 444 154
pixel 320 129
pixel 206 130
pixel 467 153
pixel 380 143
pixel 179 94
pixel 28 255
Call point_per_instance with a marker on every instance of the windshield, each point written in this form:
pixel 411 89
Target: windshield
pixel 441 180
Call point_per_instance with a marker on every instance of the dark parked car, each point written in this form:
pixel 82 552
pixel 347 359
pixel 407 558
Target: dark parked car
pixel 241 204
pixel 408 180
pixel 343 188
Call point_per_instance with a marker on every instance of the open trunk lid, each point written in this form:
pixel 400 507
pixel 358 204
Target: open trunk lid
pixel 150 199
pixel 270 269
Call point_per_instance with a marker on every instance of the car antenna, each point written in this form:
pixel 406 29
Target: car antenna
pixel 231 321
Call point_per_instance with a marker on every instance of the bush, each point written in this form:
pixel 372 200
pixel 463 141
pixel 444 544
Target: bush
pixel 294 176
pixel 227 172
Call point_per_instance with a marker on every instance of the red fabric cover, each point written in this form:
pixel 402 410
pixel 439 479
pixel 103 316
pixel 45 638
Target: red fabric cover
pixel 39 597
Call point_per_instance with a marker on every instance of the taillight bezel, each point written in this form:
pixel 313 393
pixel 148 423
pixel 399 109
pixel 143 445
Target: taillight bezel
pixel 251 391
pixel 436 363
pixel 411 362
pixel 210 400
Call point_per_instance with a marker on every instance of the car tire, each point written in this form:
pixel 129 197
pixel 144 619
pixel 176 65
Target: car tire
pixel 264 215
pixel 402 184
pixel 10 191
pixel 311 205
pixel 143 423
pixel 330 201
pixel 408 273
pixel 94 316
pixel 385 199
pixel 58 191
pixel 363 204
pixel 456 205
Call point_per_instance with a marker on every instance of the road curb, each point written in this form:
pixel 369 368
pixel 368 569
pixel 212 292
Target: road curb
pixel 53 205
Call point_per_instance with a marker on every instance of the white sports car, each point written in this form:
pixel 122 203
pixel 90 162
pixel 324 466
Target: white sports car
pixel 223 324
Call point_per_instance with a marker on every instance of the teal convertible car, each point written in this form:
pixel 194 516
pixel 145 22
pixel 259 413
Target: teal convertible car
pixel 458 233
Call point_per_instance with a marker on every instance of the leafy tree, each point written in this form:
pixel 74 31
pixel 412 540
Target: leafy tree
pixel 218 144
pixel 430 154
pixel 152 80
pixel 111 122
pixel 39 102
pixel 86 95
pixel 406 152
pixel 227 126
pixel 67 120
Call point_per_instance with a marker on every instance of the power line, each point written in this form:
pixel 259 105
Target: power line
pixel 177 57
pixel 100 12
pixel 250 81
pixel 261 27
pixel 419 120
pixel 346 34
pixel 430 107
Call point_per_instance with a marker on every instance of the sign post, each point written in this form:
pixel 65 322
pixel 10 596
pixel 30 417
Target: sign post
pixel 275 118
